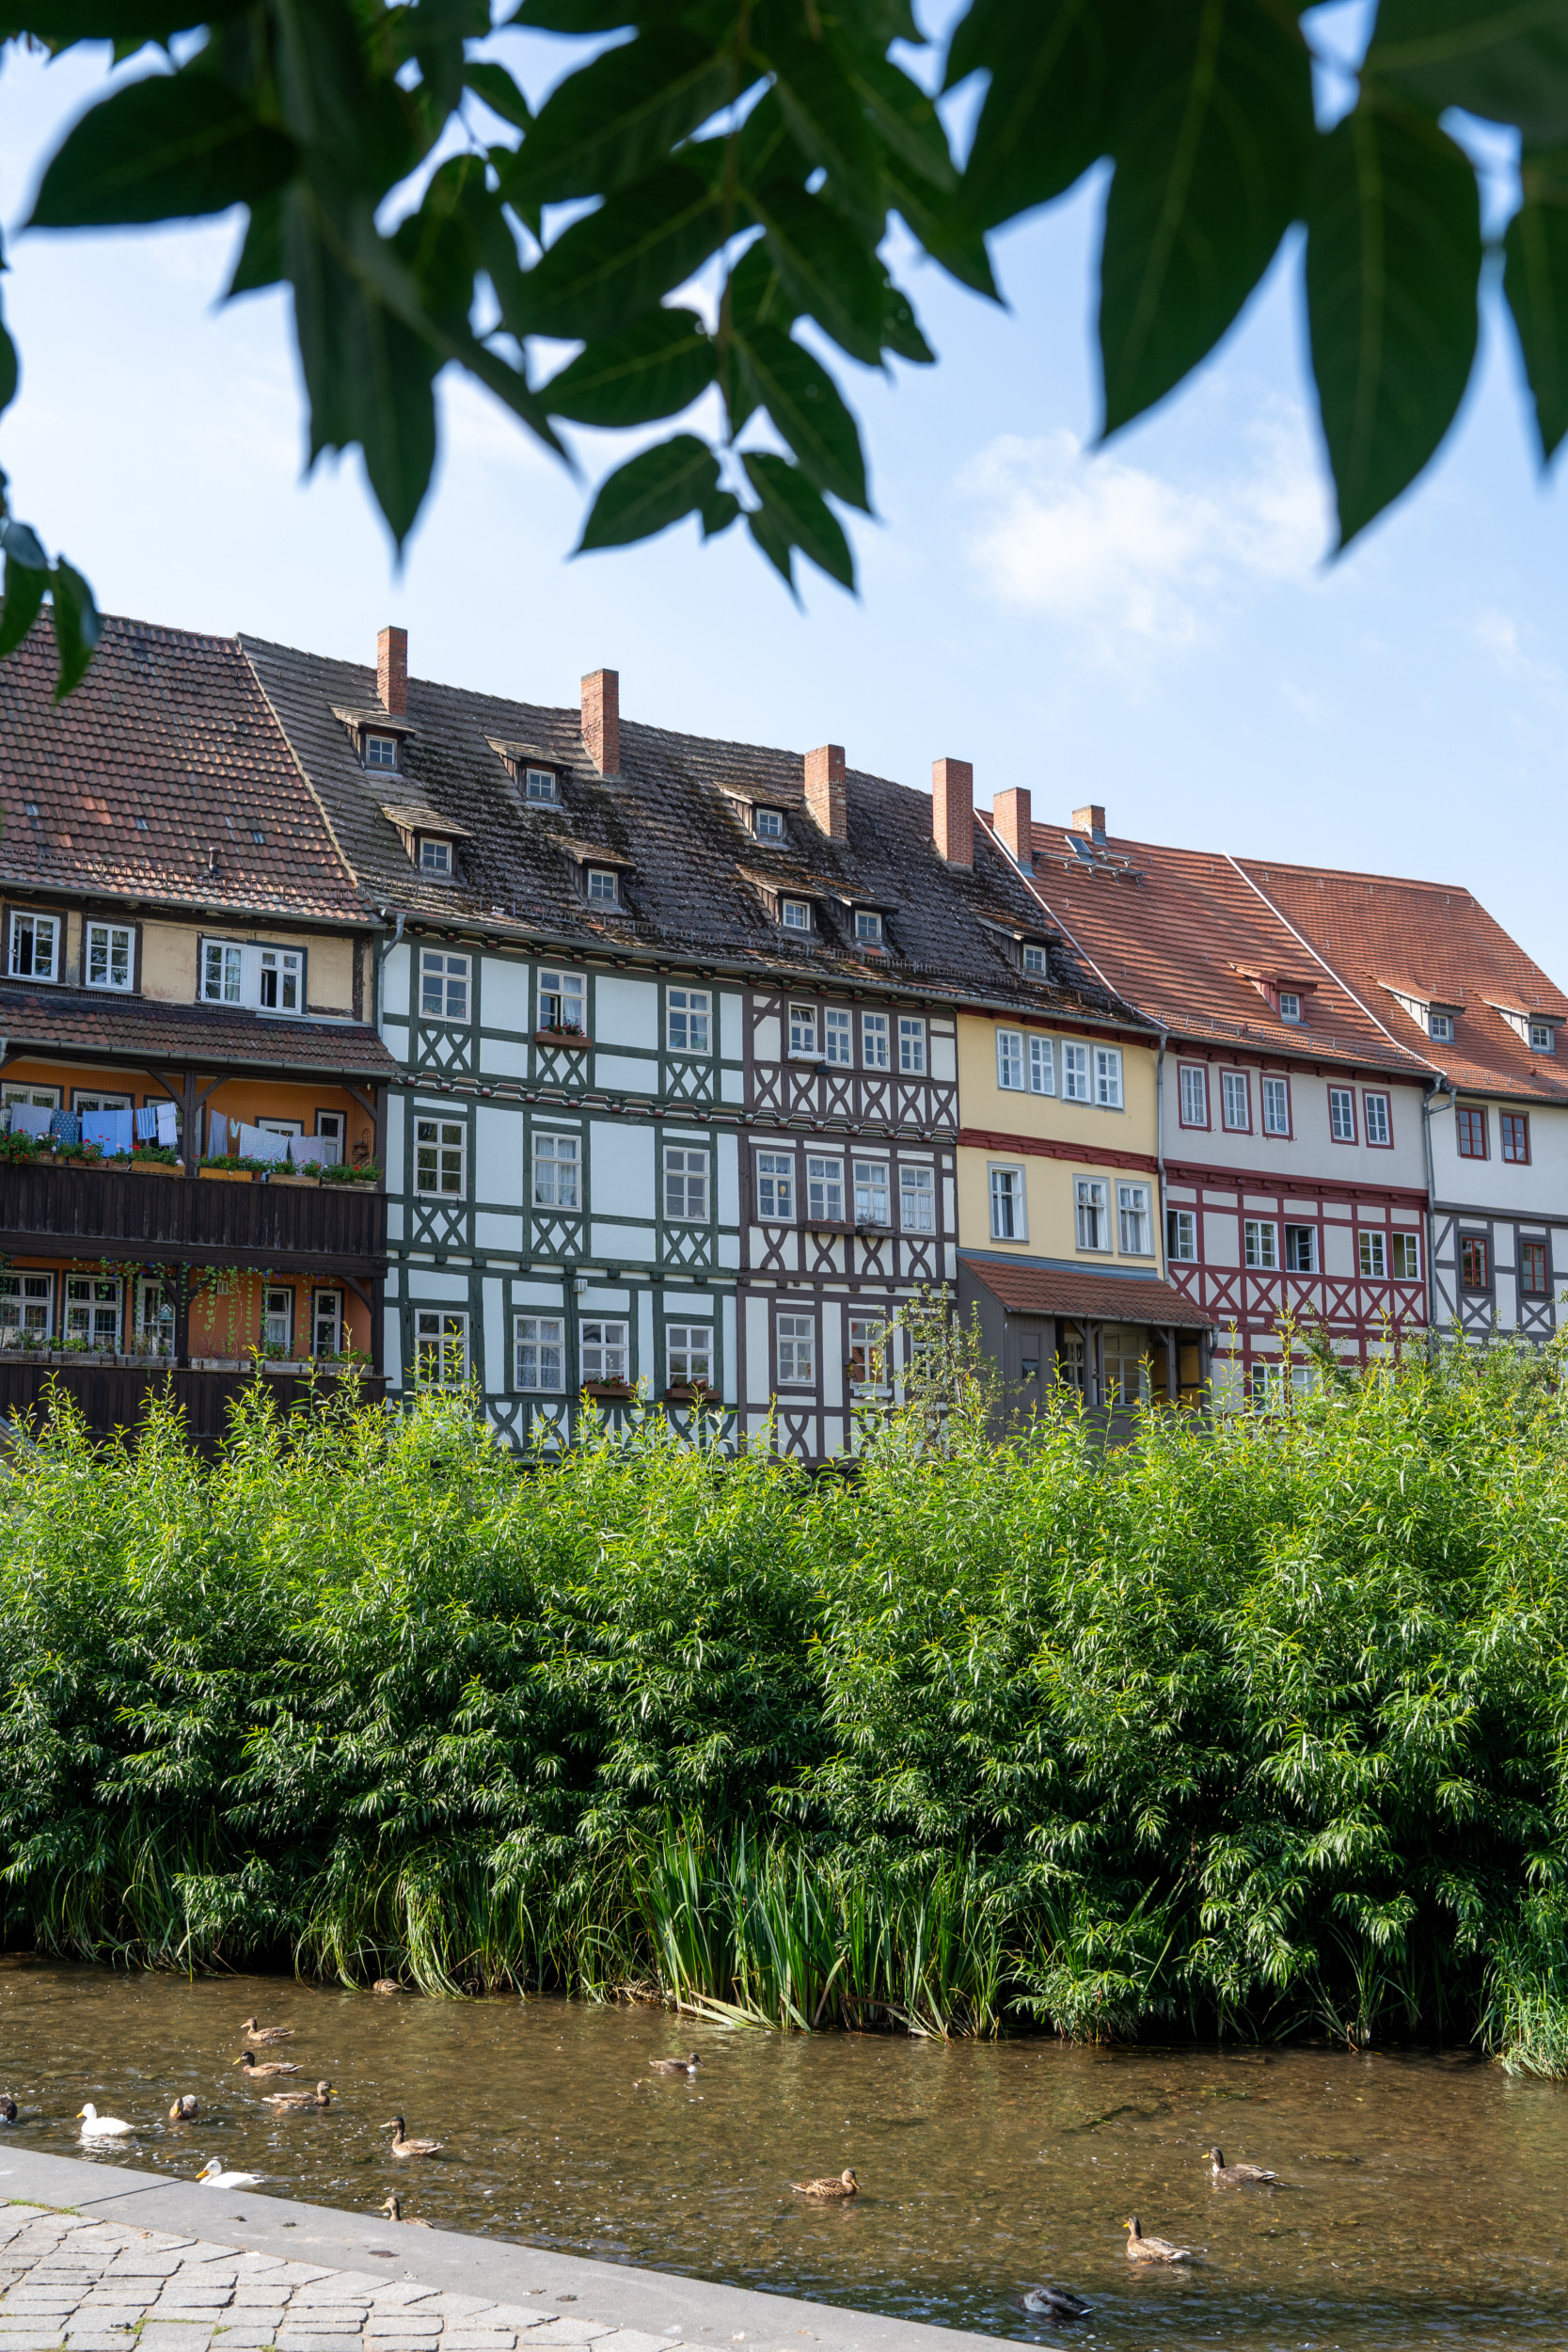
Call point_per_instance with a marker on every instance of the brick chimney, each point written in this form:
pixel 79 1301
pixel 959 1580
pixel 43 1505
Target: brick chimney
pixel 826 801
pixel 952 810
pixel 391 672
pixel 1090 821
pixel 1010 815
pixel 601 720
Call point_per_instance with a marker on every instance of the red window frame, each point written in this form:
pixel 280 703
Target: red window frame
pixel 1475 1262
pixel 1199 1071
pixel 1470 1130
pixel 1513 1138
pixel 1347 1094
pixel 1532 1258
pixel 1226 1127
pixel 1378 1143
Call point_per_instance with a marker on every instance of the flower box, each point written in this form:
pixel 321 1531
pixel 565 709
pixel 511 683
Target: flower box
pixel 226 1175
pixel 562 1037
pixel 310 1184
pixel 220 1363
pixel 155 1167
pixel 609 1391
pixel 690 1392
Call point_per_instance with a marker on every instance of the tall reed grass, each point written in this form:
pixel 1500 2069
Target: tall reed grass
pixel 1260 1731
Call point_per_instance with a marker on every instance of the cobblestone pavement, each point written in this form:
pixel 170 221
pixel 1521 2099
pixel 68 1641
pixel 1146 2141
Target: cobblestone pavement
pixel 68 2284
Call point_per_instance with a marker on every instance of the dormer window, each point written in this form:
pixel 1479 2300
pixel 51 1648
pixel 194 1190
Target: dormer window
pixel 381 751
pixel 767 824
pixel 868 926
pixel 795 914
pixel 1034 961
pixel 604 890
pixel 434 857
pixel 1542 1036
pixel 1290 1005
pixel 539 785
pixel 1440 1027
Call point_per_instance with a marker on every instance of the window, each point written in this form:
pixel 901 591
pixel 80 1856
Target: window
pixel 222 972
pixel 1091 1212
pixel 871 1193
pixel 602 890
pixel 381 751
pixel 564 1003
pixel 111 956
pixel 1407 1257
pixel 329 1127
pixel 767 824
pixel 1182 1236
pixel 539 1353
pixel 1513 1134
pixel 1010 1060
pixel 802 1032
pixel 1260 1243
pixel 443 986
pixel 838 1038
pixel 326 1323
pixel 1342 1114
pixel 1380 1130
pixel 874 1040
pixel 869 925
pixel 1075 1074
pixel 1372 1256
pixel 688 1354
pixel 1125 1353
pixel 92 1310
pixel 1475 1262
pixel 1472 1134
pixel 280 980
pixel 1042 1066
pixel 606 1351
pixel 917 1200
pixel 795 914
pixel 776 1187
pixel 1532 1268
pixel 1542 1037
pixel 434 857
pixel 278 1319
pixel 1035 960
pixel 1440 1027
pixel 48 1098
pixel 1107 1077
pixel 824 1192
pixel 797 1351
pixel 867 1365
pixel 440 1158
pixel 1277 1106
pixel 1290 1005
pixel 538 784
pixel 556 1163
pixel 440 1347
pixel 1236 1100
pixel 94 1099
pixel 26 1309
pixel 685 1185
pixel 1300 1250
pixel 911 1048
pixel 1007 1204
pixel 1134 1225
pixel 1194 1095
pixel 271 1126
pixel 686 1017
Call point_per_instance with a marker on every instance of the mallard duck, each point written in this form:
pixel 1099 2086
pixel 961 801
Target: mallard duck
pixel 214 2176
pixel 385 1984
pixel 393 2211
pixel 253 2070
pixel 1056 2303
pixel 96 2126
pixel 294 2102
pixel 267 2034
pixel 675 2066
pixel 1235 2175
pixel 845 2185
pixel 1151 2249
pixel 185 2108
pixel 403 2146
pixel 7 2109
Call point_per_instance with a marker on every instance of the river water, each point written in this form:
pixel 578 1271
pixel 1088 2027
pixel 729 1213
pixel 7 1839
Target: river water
pixel 1422 2200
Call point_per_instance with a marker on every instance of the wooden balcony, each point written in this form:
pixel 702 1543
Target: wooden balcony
pixel 94 1212
pixel 113 1396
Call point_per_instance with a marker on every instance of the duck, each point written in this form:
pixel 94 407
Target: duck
pixel 96 2126
pixel 8 2107
pixel 273 2066
pixel 1151 2249
pixel 845 2186
pixel 393 2211
pixel 402 2146
pixel 294 2102
pixel 385 1984
pixel 214 2176
pixel 675 2066
pixel 185 2108
pixel 1235 2175
pixel 265 2034
pixel 1056 2303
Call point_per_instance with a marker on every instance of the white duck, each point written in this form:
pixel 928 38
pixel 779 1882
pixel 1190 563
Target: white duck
pixel 215 2177
pixel 96 2126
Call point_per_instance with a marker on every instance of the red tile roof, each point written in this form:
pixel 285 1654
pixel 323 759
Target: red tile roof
pixel 1032 1290
pixel 207 1037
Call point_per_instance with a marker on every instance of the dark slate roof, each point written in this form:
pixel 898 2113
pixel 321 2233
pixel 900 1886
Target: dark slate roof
pixel 89 1025
pixel 693 876
pixel 169 728
pixel 1034 1290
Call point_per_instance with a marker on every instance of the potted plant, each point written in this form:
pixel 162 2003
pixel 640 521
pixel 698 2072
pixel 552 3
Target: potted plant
pixel 155 1159
pixel 609 1391
pixel 285 1173
pixel 340 1172
pixel 695 1392
pixel 564 1033
pixel 227 1167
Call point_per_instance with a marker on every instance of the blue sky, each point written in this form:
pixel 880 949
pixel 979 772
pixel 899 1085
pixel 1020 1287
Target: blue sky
pixel 1156 627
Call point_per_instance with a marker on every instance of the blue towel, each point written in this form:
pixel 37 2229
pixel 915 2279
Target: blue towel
pixel 146 1125
pixel 110 1130
pixel 66 1128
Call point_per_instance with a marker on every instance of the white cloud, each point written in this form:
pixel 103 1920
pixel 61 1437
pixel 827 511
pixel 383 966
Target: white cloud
pixel 1498 636
pixel 1132 561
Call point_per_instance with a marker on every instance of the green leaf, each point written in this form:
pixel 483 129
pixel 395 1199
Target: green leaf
pixel 25 585
pixel 656 369
pixel 1509 62
pixel 827 270
pixel 943 227
pixel 172 147
pixel 1211 143
pixel 901 330
pixel 10 368
pixel 261 256
pixel 129 24
pixel 718 512
pixel 604 270
pixel 77 626
pixel 1393 263
pixel 499 92
pixel 775 543
pixel 805 405
pixel 905 118
pixel 795 512
pixel 821 108
pixel 1535 281
pixel 616 119
pixel 1054 67
pixel 650 492
pixel 757 290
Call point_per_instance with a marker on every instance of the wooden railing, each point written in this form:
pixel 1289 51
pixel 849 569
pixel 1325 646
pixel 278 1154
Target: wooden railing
pixel 89 1212
pixel 113 1397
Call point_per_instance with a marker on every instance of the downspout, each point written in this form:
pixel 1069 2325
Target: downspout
pixel 1430 1105
pixel 1160 1144
pixel 381 955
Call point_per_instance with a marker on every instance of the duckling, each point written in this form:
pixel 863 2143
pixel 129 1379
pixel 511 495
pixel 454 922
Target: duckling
pixel 402 2146
pixel 1056 2303
pixel 385 1984
pixel 1151 2249
pixel 393 2211
pixel 185 2108
pixel 7 2109
pixel 96 2126
pixel 273 2066
pixel 1235 2175
pixel 214 2176
pixel 675 2066
pixel 295 2102
pixel 845 2185
pixel 261 2034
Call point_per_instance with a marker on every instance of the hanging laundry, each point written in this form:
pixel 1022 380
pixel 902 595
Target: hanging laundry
pixel 168 1124
pixel 31 1119
pixel 310 1150
pixel 147 1124
pixel 217 1134
pixel 66 1128
pixel 259 1143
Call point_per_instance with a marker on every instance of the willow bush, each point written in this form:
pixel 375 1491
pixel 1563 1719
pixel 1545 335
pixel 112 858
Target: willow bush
pixel 1255 1731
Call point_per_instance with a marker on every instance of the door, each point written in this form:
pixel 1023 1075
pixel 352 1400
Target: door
pixel 1028 1361
pixel 154 1316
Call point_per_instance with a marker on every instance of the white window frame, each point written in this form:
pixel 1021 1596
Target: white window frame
pixel 1405 1243
pixel 1091 1214
pixel 869 1340
pixel 1260 1244
pixel 440 1338
pixel 1007 1185
pixel 1235 1094
pixel 568 992
pixel 868 926
pixel 1181 1236
pixel 1035 960
pixel 1543 1037
pixel 824 1190
pixel 598 1356
pixel 1010 1060
pixel 1043 1065
pixel 689 1019
pixel 554 1153
pixel 1134 1219
pixel 775 1187
pixel 1193 1094
pixel 871 1181
pixel 1342 1100
pixel 93 1306
pixel 1440 1027
pixel 838 1037
pixel 26 1309
pixel 539 785
pixel 153 1311
pixel 795 914
pixel 109 939
pixel 1372 1254
pixel 1382 1116
pixel 803 1034
pixel 687 1183
pixel 687 1355
pixel 876 1049
pixel 381 753
pixel 795 1349
pixel 222 977
pixel 445 987
pixel 917 1198
pixel 1107 1077
pixel 1290 1005
pixel 278 1316
pixel 280 979
pixel 440 1153
pixel 767 824
pixel 1076 1086
pixel 435 855
pixel 539 1350
pixel 1295 1226
pixel 326 1318
pixel 601 886
pixel 1275 1104
pixel 913 1056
